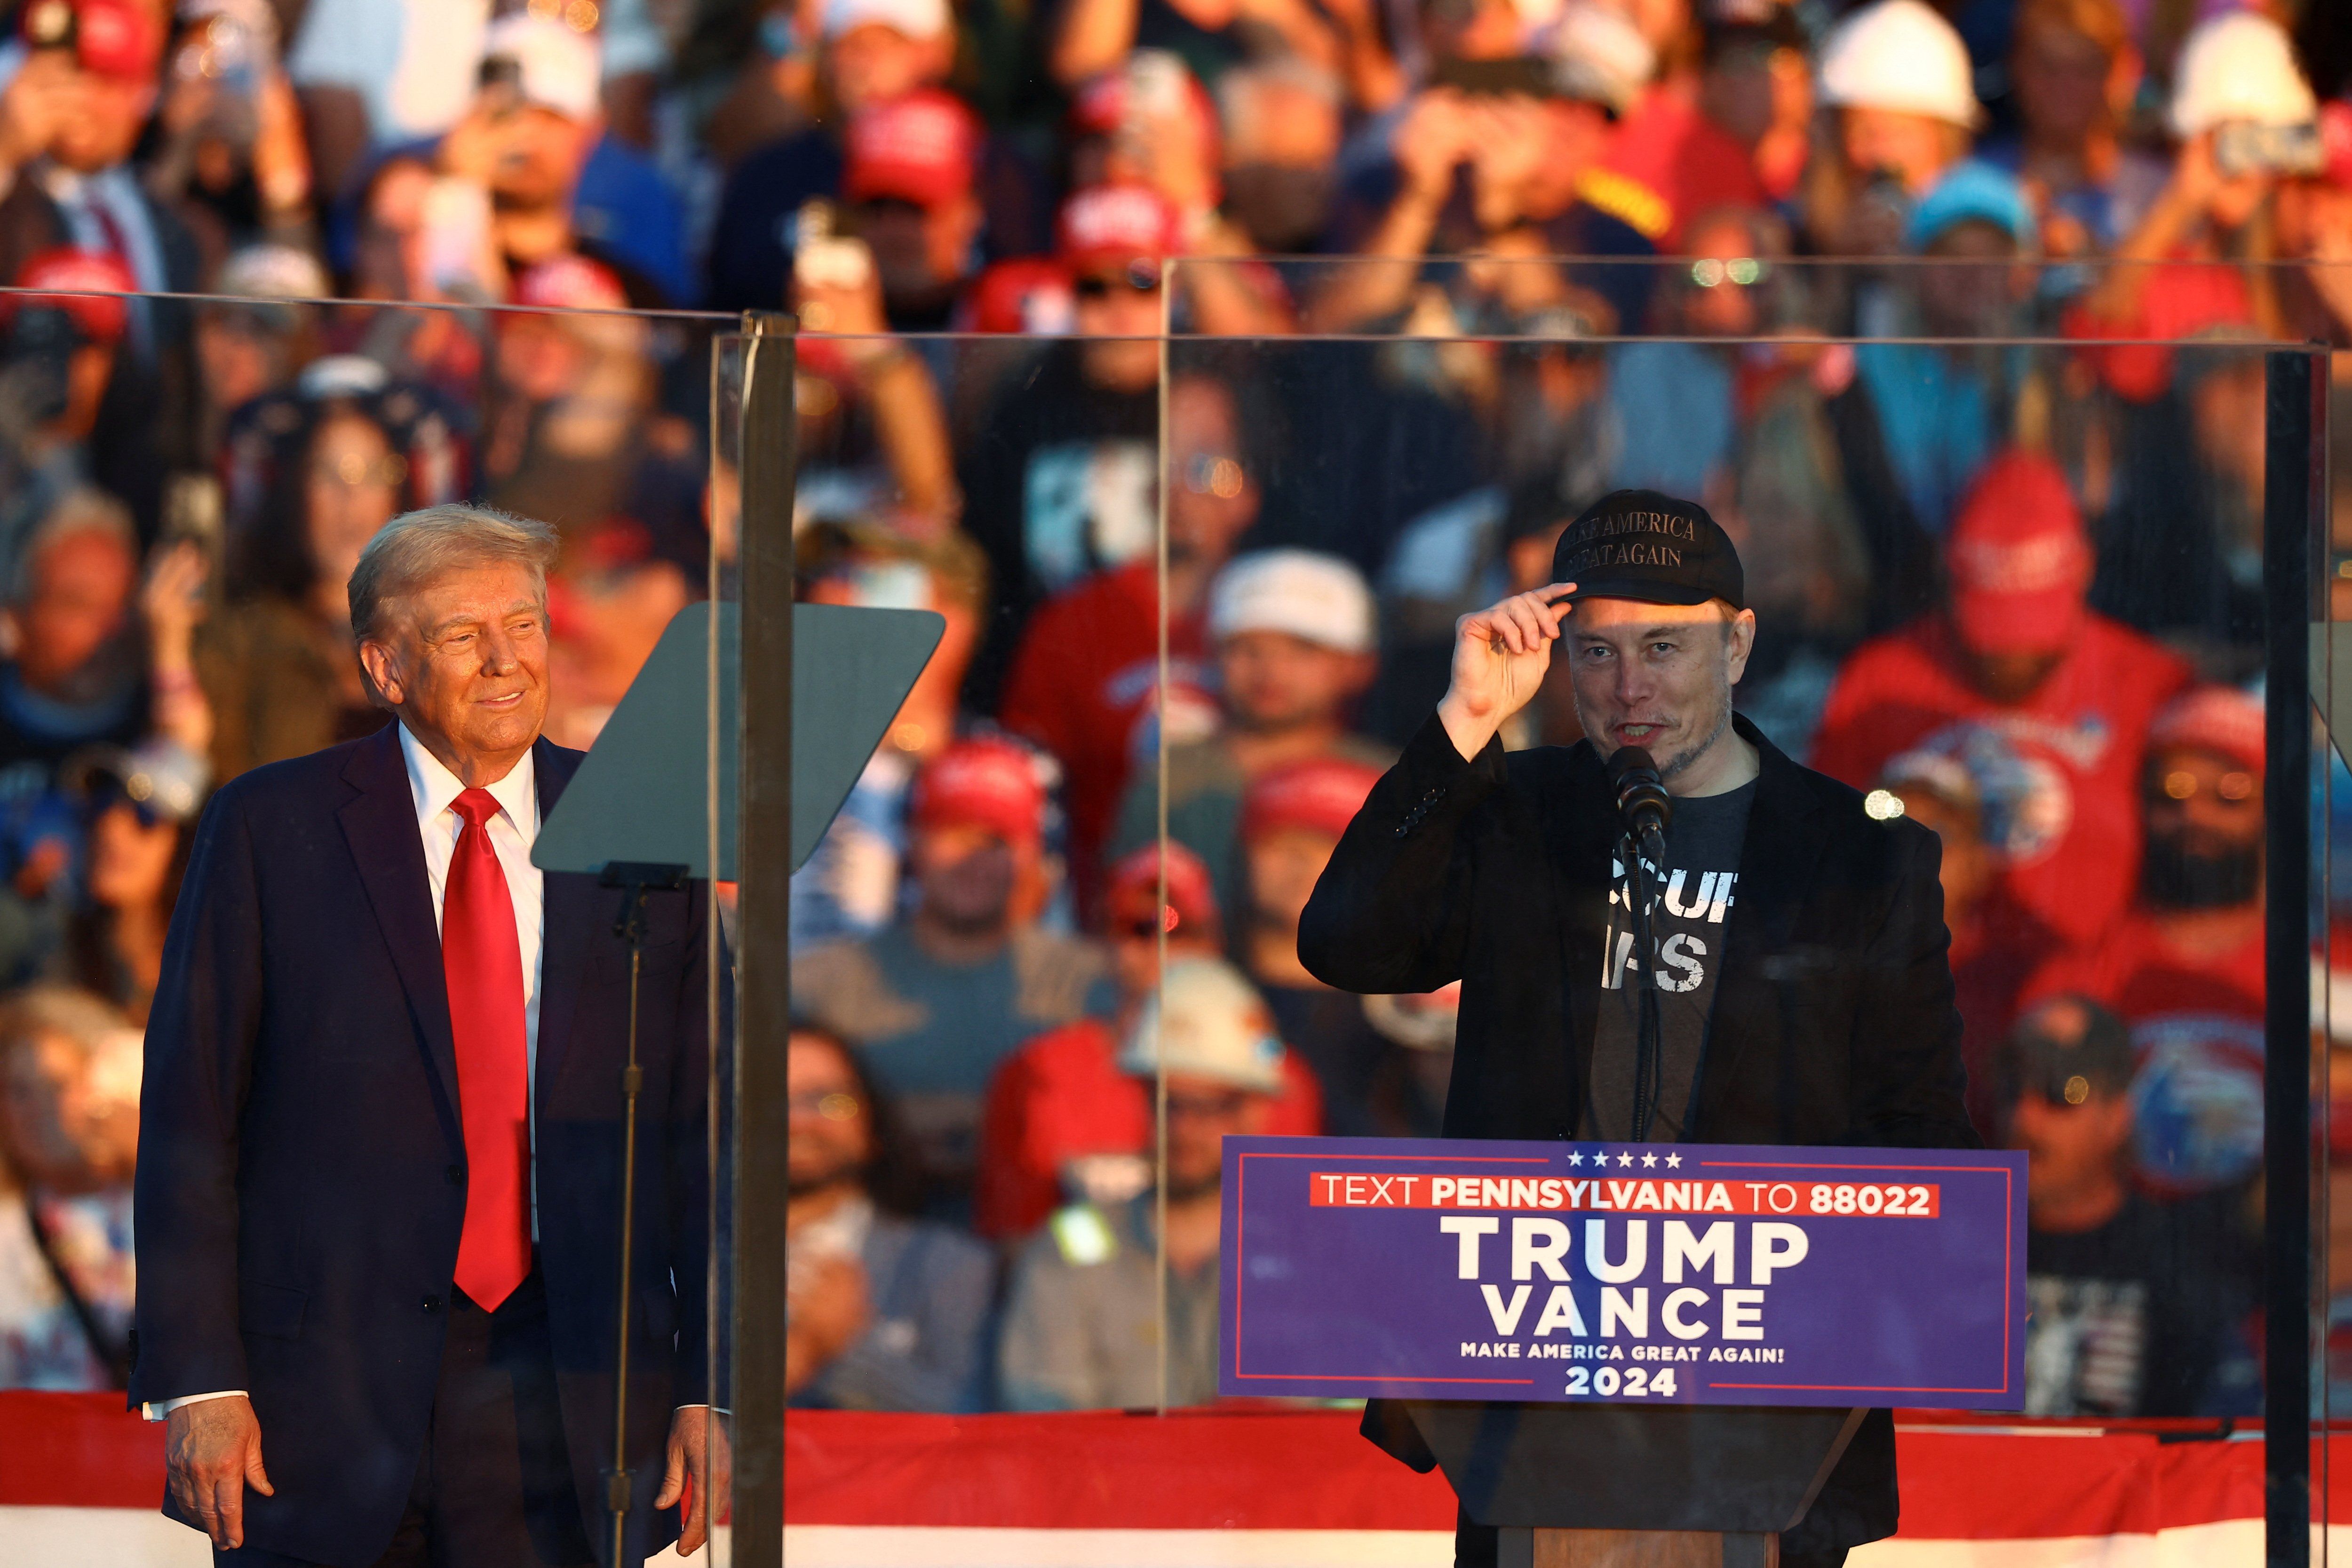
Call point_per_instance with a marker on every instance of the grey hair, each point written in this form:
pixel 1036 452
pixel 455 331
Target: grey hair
pixel 50 1009
pixel 1236 86
pixel 417 546
pixel 85 509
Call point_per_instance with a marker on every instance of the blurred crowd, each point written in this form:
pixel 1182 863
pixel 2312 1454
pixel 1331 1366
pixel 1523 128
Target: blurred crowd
pixel 1296 328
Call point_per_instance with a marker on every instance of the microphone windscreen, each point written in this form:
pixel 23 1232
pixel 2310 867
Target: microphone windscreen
pixel 1628 761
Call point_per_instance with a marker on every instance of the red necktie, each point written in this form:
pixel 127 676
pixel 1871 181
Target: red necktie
pixel 483 961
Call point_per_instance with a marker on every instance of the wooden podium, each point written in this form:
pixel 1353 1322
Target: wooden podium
pixel 1613 1486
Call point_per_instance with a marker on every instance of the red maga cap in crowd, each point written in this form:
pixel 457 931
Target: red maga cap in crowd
pixel 1320 796
pixel 2221 720
pixel 2018 561
pixel 1028 294
pixel 987 784
pixel 1151 81
pixel 110 38
pixel 921 148
pixel 1149 78
pixel 99 316
pixel 570 282
pixel 1118 225
pixel 1134 892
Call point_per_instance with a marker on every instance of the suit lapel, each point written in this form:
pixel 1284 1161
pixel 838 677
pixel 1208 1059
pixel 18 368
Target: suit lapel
pixel 569 921
pixel 1783 846
pixel 379 824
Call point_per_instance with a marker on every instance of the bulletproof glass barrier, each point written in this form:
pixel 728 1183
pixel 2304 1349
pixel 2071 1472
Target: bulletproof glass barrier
pixel 2067 599
pixel 2047 595
pixel 231 456
pixel 1736 279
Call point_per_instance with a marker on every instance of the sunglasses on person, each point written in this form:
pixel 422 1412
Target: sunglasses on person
pixel 1215 474
pixel 1741 271
pixel 2182 785
pixel 112 793
pixel 832 1104
pixel 353 471
pixel 1138 278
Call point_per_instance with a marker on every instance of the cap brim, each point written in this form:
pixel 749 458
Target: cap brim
pixel 1646 593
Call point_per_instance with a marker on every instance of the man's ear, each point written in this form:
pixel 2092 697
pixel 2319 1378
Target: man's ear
pixel 383 673
pixel 1739 638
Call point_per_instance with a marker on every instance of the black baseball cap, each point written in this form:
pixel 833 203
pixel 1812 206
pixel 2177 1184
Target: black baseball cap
pixel 1645 545
pixel 2068 1049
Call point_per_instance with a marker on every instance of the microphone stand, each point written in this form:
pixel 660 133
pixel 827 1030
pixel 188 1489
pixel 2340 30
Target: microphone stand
pixel 636 879
pixel 1648 1068
pixel 1646 807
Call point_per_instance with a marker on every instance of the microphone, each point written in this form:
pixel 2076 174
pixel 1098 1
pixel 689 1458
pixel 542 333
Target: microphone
pixel 1645 807
pixel 1641 799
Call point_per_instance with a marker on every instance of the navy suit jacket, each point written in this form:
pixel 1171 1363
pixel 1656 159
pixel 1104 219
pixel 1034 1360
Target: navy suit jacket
pixel 301 1178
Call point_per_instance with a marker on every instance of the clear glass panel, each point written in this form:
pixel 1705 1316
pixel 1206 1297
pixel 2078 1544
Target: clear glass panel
pixel 1738 280
pixel 945 927
pixel 2009 583
pixel 2012 588
pixel 221 462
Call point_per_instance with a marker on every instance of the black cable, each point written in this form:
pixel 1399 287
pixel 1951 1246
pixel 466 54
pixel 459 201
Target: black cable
pixel 1648 1065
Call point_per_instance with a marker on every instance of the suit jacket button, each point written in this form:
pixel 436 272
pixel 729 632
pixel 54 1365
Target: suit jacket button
pixel 456 1174
pixel 432 1303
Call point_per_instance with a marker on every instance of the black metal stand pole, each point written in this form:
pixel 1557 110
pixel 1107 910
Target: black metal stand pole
pixel 1648 1068
pixel 2290 524
pixel 635 878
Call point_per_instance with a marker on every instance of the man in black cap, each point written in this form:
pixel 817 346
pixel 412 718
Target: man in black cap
pixel 2129 1299
pixel 1796 943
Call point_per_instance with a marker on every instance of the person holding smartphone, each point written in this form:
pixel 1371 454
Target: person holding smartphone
pixel 2247 120
pixel 509 172
pixel 1491 157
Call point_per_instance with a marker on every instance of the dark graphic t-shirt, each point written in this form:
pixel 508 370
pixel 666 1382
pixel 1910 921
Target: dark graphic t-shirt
pixel 1691 895
pixel 2132 1318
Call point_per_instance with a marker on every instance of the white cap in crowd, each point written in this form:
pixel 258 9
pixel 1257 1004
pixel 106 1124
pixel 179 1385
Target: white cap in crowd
pixel 1209 1023
pixel 556 67
pixel 1598 56
pixel 1900 54
pixel 2239 67
pixel 272 270
pixel 909 18
pixel 1317 598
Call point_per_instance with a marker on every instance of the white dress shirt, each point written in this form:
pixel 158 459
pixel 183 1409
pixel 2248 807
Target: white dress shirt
pixel 433 787
pixel 513 831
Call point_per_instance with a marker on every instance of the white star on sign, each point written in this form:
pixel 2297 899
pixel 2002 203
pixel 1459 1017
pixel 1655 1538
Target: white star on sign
pixel 1624 1159
pixel 1673 1160
pixel 1574 1158
pixel 1649 1160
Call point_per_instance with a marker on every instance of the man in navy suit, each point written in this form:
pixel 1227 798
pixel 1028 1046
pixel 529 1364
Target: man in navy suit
pixel 379 1162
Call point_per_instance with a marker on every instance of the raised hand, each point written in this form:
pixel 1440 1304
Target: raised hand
pixel 1500 656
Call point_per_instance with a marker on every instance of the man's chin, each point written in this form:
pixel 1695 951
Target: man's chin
pixel 1182 1192
pixel 510 731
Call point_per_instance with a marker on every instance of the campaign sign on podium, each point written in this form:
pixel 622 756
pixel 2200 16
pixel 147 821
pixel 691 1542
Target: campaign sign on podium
pixel 1643 1273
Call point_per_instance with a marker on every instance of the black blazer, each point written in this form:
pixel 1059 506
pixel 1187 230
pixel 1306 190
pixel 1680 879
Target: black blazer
pixel 301 1175
pixel 1833 1022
